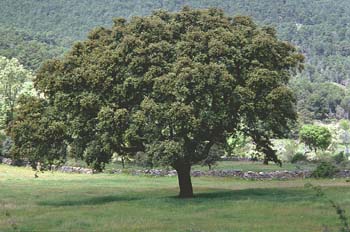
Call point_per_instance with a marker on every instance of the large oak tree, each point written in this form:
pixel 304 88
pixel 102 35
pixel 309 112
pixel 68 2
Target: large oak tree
pixel 170 86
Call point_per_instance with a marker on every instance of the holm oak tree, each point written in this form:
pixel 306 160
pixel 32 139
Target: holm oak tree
pixel 171 86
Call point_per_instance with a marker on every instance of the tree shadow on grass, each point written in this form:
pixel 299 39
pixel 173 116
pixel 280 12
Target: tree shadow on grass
pixel 88 201
pixel 258 194
pixel 280 195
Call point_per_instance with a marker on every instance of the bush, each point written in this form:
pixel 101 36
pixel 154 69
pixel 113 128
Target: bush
pixel 298 157
pixel 6 146
pixel 290 149
pixel 214 155
pixel 324 170
pixel 143 160
pixel 2 139
pixel 339 158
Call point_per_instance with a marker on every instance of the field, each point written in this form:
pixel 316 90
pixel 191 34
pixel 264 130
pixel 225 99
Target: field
pixel 102 202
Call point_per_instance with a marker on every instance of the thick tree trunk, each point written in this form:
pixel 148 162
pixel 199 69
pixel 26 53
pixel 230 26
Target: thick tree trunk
pixel 185 184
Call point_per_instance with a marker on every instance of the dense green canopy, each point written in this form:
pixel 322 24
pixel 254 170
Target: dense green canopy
pixel 170 86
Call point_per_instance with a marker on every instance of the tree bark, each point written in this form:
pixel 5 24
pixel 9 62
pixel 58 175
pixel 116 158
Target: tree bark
pixel 123 162
pixel 185 184
pixel 266 161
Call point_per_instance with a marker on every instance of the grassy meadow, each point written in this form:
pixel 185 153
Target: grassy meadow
pixel 104 202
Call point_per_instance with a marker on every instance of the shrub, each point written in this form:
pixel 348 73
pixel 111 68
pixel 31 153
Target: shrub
pixel 298 157
pixel 143 160
pixel 290 149
pixel 214 155
pixel 6 146
pixel 324 170
pixel 2 139
pixel 339 158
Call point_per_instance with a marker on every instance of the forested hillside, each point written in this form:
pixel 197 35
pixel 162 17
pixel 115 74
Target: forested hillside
pixel 33 31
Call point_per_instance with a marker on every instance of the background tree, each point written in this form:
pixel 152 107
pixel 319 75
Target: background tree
pixel 37 134
pixel 172 85
pixel 235 145
pixel 214 155
pixel 345 104
pixel 13 78
pixel 315 137
pixel 324 100
pixel 345 126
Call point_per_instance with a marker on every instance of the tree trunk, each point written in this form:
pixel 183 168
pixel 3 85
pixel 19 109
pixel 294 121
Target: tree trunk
pixel 123 162
pixel 9 117
pixel 266 161
pixel 185 184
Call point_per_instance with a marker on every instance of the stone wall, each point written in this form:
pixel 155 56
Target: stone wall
pixel 7 161
pixel 69 169
pixel 66 169
pixel 250 175
pixel 280 175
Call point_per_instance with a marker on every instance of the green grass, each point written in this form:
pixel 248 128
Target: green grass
pixel 74 202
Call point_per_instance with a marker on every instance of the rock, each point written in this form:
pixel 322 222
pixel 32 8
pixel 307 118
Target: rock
pixel 7 161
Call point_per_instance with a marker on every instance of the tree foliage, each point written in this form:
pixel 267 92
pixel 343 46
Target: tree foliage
pixel 171 85
pixel 345 135
pixel 322 101
pixel 315 137
pixel 30 48
pixel 13 78
pixel 37 134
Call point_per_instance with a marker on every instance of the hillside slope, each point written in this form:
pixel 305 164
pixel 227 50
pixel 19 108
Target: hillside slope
pixel 320 28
